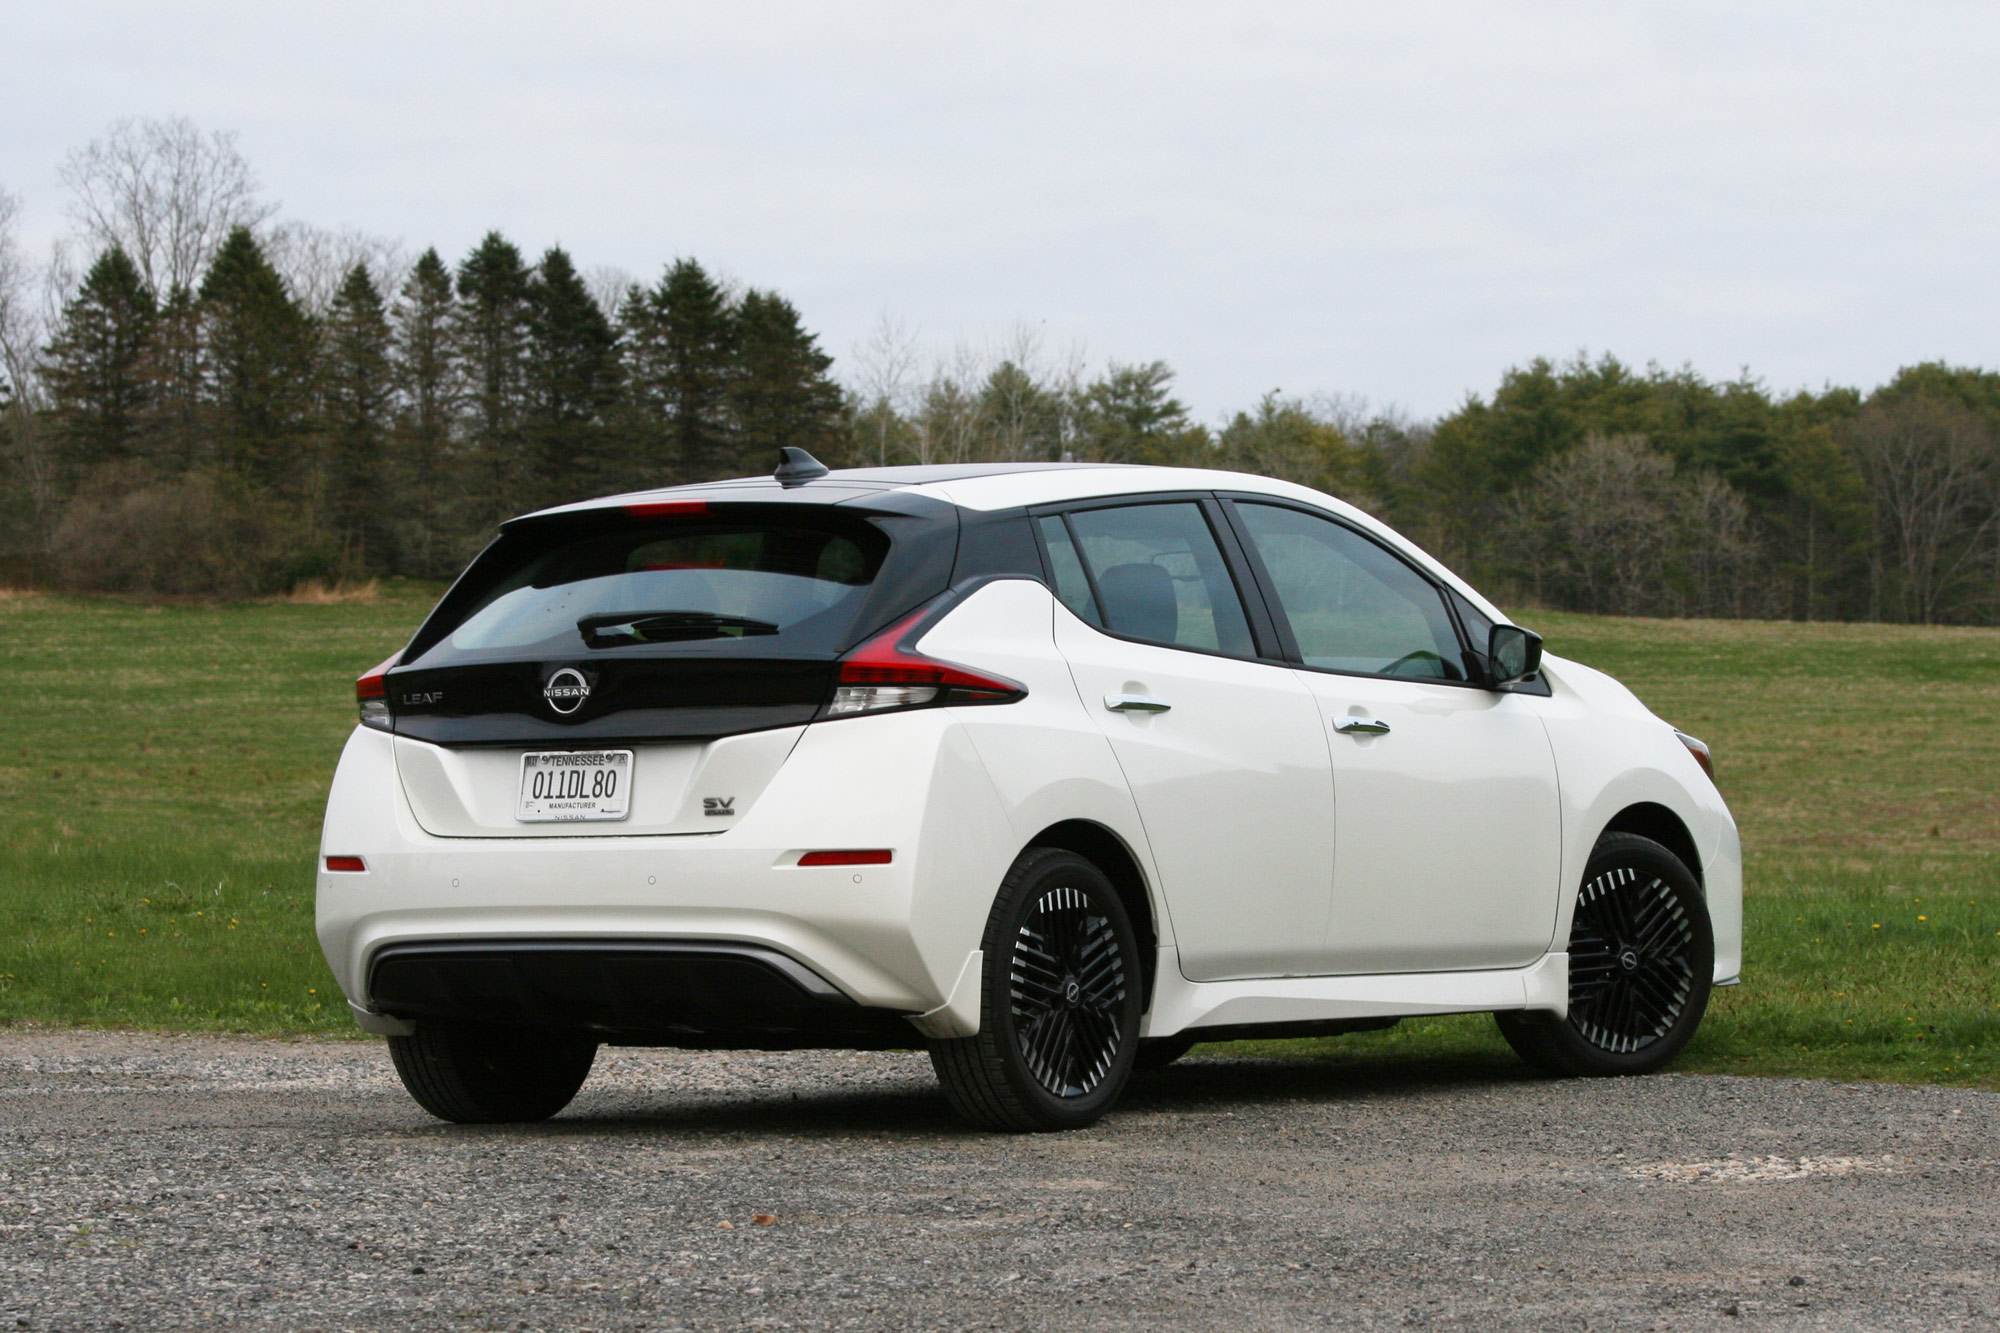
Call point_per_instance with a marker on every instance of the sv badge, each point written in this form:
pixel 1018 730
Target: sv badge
pixel 718 805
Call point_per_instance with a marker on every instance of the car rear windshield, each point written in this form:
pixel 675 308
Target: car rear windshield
pixel 788 586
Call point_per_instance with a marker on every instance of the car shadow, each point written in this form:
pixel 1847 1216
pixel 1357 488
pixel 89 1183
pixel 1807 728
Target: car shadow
pixel 1198 1085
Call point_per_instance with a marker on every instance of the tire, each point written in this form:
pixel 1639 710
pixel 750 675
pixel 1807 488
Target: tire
pixel 490 1076
pixel 1641 959
pixel 1159 1052
pixel 1059 1002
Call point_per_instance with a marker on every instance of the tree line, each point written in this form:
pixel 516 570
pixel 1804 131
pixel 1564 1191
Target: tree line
pixel 211 402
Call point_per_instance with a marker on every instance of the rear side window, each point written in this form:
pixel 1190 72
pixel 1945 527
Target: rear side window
pixel 1157 574
pixel 1351 605
pixel 664 586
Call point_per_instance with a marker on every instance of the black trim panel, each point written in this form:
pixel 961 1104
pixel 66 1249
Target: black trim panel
pixel 694 993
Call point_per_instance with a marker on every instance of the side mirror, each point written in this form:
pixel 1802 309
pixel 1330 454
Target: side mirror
pixel 1513 653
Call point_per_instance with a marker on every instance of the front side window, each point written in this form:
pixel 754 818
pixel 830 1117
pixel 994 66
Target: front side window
pixel 1352 606
pixel 1158 575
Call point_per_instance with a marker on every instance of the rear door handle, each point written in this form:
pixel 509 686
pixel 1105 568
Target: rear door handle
pixel 1362 726
pixel 1135 703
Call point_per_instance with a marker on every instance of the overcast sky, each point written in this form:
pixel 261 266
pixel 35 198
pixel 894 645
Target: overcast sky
pixel 1393 200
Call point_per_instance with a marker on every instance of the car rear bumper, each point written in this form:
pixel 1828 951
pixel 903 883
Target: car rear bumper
pixel 653 911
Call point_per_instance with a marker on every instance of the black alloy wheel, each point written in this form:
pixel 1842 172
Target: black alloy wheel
pixel 1059 1002
pixel 1641 960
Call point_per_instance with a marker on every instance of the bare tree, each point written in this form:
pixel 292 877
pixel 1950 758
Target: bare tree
pixel 949 417
pixel 164 191
pixel 1608 512
pixel 17 321
pixel 1024 410
pixel 314 261
pixel 1716 550
pixel 883 365
pixel 609 285
pixel 29 461
pixel 1930 466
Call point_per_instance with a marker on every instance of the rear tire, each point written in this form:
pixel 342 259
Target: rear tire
pixel 1641 960
pixel 489 1076
pixel 1059 1002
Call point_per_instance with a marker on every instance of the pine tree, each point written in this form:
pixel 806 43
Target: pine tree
pixel 492 329
pixel 355 375
pixel 781 393
pixel 572 382
pixel 1130 416
pixel 175 437
pixel 257 354
pixel 680 360
pixel 430 387
pixel 96 370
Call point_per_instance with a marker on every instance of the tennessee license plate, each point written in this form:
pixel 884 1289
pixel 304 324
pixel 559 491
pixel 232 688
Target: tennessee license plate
pixel 559 786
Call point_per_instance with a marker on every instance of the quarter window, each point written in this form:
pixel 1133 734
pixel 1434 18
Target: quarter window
pixel 1158 575
pixel 1351 605
pixel 1072 584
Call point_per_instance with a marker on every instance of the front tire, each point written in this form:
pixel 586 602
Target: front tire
pixel 490 1076
pixel 1641 960
pixel 1059 1002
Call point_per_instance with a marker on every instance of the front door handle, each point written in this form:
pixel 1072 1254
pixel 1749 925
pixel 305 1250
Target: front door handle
pixel 1135 703
pixel 1362 726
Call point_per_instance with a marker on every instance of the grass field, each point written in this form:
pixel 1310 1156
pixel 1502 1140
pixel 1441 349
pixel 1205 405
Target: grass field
pixel 163 770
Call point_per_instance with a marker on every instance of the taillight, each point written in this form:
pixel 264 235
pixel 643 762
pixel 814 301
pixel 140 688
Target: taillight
pixel 371 692
pixel 1699 750
pixel 884 674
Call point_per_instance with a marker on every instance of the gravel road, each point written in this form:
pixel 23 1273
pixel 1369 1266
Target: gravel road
pixel 196 1182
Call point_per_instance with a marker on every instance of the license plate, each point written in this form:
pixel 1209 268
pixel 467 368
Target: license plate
pixel 561 786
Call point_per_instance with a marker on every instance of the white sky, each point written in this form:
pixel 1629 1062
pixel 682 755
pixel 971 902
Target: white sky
pixel 1395 200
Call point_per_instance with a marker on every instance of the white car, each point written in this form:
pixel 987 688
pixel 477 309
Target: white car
pixel 1053 769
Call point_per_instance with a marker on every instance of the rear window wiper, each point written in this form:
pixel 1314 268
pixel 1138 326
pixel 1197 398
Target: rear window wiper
pixel 605 631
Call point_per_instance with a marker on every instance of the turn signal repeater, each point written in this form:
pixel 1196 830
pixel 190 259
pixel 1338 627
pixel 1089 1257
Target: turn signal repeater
pixel 886 673
pixel 371 692
pixel 1699 749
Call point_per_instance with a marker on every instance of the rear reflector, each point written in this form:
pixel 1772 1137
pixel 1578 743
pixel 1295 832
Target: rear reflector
pixel 666 508
pixel 351 864
pixel 879 857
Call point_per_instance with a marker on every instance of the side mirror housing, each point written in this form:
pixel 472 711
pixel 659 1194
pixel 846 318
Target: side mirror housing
pixel 1513 653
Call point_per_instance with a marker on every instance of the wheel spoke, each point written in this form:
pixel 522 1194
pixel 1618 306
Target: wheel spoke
pixel 1068 1044
pixel 1630 976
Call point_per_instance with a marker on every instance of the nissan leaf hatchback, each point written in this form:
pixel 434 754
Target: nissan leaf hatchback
pixel 1052 769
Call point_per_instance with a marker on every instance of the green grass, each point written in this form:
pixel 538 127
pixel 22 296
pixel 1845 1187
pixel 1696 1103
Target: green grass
pixel 163 771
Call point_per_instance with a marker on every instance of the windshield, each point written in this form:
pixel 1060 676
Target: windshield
pixel 673 585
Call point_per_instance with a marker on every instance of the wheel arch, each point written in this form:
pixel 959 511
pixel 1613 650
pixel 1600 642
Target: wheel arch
pixel 1649 819
pixel 1108 852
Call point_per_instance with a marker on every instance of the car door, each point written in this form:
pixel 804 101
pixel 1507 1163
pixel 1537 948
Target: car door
pixel 1446 817
pixel 1222 751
